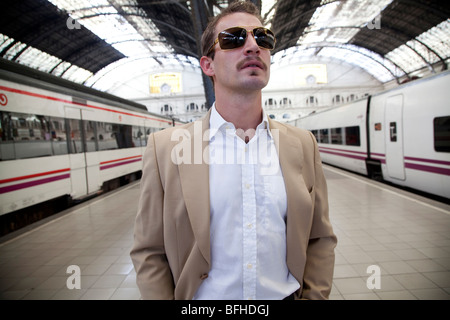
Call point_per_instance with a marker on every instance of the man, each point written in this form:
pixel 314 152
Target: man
pixel 234 206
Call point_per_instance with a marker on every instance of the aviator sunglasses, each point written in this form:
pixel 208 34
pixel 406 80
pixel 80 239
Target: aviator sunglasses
pixel 235 37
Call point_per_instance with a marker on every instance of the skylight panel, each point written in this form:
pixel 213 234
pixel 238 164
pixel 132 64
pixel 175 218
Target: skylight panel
pixel 37 59
pixel 267 11
pixel 106 22
pixel 438 39
pixel 410 56
pixel 76 74
pixel 61 68
pixel 14 50
pixel 5 41
pixel 292 55
pixel 340 21
pixel 405 58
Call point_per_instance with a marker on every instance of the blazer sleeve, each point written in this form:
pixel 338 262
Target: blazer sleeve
pixel 153 275
pixel 318 275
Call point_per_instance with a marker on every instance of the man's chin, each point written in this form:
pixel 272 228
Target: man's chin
pixel 253 81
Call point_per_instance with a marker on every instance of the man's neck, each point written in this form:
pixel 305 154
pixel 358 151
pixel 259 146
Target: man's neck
pixel 244 111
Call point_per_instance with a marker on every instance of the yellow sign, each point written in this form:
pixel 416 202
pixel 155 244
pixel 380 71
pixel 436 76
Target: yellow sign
pixel 308 74
pixel 167 82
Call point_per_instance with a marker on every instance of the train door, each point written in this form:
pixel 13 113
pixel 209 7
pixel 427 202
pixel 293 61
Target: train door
pixel 77 158
pixel 394 137
pixel 91 156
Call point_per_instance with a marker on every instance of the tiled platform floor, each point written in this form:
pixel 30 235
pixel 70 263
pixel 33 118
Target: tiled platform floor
pixel 407 237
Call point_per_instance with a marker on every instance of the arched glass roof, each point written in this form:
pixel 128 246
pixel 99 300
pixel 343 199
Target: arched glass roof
pixel 389 39
pixel 84 40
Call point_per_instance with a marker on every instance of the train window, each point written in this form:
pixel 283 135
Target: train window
pixel 90 132
pixel 114 136
pixel 393 131
pixel 124 136
pixel 106 136
pixel 352 136
pixel 442 134
pixel 147 131
pixel 75 136
pixel 336 136
pixel 5 127
pixel 58 135
pixel 138 136
pixel 323 138
pixel 8 132
pixel 29 135
pixel 316 134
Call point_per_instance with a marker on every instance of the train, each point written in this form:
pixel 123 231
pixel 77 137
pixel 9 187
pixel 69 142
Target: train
pixel 59 139
pixel 400 136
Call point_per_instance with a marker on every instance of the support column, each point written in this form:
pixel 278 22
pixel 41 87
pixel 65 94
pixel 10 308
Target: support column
pixel 200 19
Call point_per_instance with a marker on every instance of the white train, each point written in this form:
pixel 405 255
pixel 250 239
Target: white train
pixel 61 139
pixel 401 135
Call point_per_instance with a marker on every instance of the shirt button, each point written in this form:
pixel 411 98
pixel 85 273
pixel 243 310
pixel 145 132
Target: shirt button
pixel 249 225
pixel 249 266
pixel 247 186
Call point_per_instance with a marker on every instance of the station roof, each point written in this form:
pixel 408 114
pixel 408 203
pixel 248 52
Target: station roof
pixel 81 40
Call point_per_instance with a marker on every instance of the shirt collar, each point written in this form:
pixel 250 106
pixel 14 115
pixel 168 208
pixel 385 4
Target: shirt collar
pixel 217 123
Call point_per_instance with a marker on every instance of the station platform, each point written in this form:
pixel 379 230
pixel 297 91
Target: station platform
pixel 392 245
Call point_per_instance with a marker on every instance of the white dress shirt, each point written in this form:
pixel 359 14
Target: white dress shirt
pixel 248 217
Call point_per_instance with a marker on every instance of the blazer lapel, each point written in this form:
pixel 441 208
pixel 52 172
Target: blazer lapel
pixel 290 153
pixel 194 177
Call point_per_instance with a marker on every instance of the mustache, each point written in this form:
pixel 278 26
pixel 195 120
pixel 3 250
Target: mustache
pixel 242 62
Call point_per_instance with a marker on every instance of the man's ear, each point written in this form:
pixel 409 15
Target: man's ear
pixel 207 65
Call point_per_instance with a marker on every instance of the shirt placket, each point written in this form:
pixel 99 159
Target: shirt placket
pixel 249 223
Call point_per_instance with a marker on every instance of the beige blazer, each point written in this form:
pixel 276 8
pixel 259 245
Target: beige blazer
pixel 171 251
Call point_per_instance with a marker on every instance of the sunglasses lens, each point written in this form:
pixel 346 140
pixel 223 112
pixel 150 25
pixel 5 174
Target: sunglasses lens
pixel 264 38
pixel 232 38
pixel 235 37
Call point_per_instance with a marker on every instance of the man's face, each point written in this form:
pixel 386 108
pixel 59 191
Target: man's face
pixel 246 68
